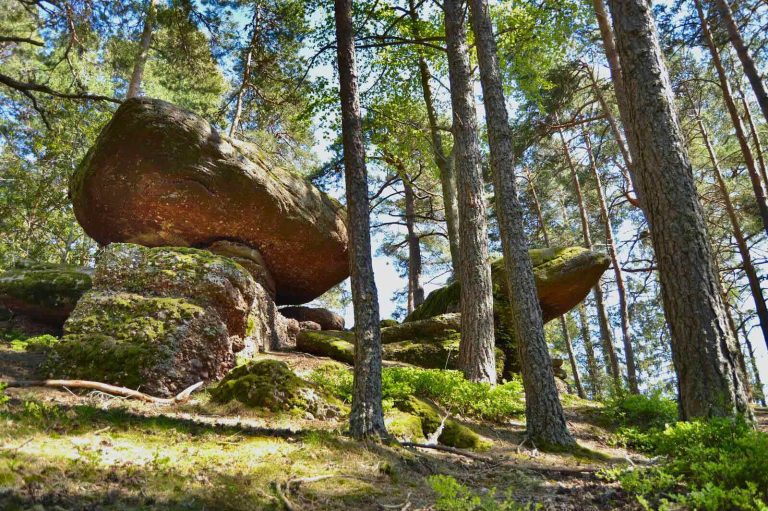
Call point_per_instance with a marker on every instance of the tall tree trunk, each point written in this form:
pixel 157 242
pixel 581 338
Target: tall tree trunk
pixel 704 349
pixel 733 111
pixel 476 350
pixel 741 242
pixel 544 413
pixel 746 59
pixel 592 368
pixel 563 319
pixel 443 160
pixel 367 416
pixel 415 289
pixel 629 351
pixel 606 338
pixel 134 87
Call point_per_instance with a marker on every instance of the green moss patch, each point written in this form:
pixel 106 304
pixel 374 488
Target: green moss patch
pixel 404 426
pixel 453 435
pixel 271 385
pixel 336 345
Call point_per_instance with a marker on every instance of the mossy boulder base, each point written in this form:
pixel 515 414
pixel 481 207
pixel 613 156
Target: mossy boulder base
pixel 160 318
pixel 160 345
pixel 43 292
pixel 159 175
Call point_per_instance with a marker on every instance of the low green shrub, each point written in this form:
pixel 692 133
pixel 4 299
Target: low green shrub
pixel 641 411
pixel 709 465
pixel 448 388
pixel 454 496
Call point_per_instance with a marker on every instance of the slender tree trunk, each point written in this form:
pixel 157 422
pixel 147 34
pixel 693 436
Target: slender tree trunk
pixel 239 102
pixel 476 350
pixel 742 51
pixel 367 416
pixel 753 132
pixel 629 351
pixel 733 111
pixel 415 289
pixel 618 135
pixel 443 161
pixel 760 390
pixel 592 367
pixel 544 413
pixel 572 358
pixel 741 243
pixel 563 321
pixel 606 339
pixel 704 349
pixel 134 87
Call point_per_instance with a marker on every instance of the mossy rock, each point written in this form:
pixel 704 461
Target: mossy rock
pixel 328 343
pixel 196 275
pixel 384 323
pixel 162 345
pixel 437 353
pixel 404 426
pixel 438 327
pixel 271 385
pixel 453 435
pixel 564 276
pixel 43 292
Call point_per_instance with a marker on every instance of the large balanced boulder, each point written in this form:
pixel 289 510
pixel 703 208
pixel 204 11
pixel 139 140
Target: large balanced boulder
pixel 160 318
pixel 42 292
pixel 159 175
pixel 564 276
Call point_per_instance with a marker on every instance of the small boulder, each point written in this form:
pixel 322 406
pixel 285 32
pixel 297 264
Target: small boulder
pixel 43 292
pixel 161 345
pixel 271 385
pixel 326 319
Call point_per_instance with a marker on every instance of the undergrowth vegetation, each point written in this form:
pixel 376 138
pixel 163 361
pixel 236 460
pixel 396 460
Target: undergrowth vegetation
pixel 454 496
pixel 448 388
pixel 712 465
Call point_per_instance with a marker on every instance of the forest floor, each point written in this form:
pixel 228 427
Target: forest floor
pixel 64 451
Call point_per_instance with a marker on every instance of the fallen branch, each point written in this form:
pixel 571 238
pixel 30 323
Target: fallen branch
pixel 108 389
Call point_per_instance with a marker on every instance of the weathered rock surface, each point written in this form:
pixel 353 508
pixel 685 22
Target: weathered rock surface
pixel 162 176
pixel 271 385
pixel 43 292
pixel 250 259
pixel 162 345
pixel 326 319
pixel 163 318
pixel 196 275
pixel 564 276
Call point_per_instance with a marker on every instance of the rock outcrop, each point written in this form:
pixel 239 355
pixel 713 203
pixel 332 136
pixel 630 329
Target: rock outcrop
pixel 326 319
pixel 160 318
pixel 564 276
pixel 43 293
pixel 159 175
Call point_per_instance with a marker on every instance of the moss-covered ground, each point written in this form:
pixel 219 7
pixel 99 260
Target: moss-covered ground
pixel 65 451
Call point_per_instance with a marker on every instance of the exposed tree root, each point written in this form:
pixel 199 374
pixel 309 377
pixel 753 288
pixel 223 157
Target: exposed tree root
pixel 108 389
